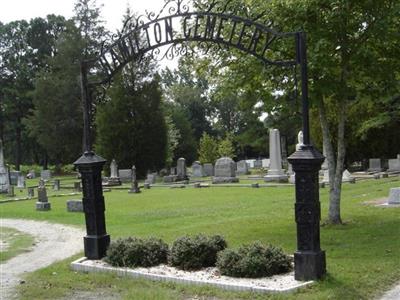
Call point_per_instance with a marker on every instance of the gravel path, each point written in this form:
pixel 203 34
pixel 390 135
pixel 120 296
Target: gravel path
pixel 393 294
pixel 52 242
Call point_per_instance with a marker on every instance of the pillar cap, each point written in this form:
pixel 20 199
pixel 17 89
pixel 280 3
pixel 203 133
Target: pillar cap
pixel 89 158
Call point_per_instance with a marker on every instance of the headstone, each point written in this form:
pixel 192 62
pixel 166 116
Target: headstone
pixel 172 171
pixel 134 183
pixel 43 202
pixel 125 175
pixel 45 174
pixel 347 177
pixel 21 182
pixel 4 174
pixel 326 176
pixel 77 186
pixel 265 163
pixel 208 169
pixel 14 175
pixel 197 185
pixel 31 192
pixel 385 175
pixel 275 171
pixel 251 163
pixel 224 171
pixel 394 165
pixel 197 169
pixel 258 164
pixel 375 165
pixel 10 191
pixel 151 178
pixel 292 176
pixel 170 178
pixel 114 178
pixel 146 185
pixel 394 196
pixel 241 168
pixel 56 185
pixel 74 206
pixel 181 169
pixel 377 176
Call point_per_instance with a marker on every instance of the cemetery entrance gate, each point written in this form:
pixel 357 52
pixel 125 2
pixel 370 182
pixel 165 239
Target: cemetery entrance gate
pixel 215 26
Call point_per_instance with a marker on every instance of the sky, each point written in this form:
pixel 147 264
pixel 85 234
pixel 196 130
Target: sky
pixel 112 10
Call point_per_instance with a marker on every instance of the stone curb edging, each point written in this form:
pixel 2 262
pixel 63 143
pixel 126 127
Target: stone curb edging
pixel 78 265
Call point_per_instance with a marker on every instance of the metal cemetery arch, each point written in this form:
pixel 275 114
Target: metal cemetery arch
pixel 213 25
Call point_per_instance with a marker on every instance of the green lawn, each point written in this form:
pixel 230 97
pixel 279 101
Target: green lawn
pixel 362 256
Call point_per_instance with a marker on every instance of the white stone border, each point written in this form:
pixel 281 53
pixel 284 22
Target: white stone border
pixel 80 266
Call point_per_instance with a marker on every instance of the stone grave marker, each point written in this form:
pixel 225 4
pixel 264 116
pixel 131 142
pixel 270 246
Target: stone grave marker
pixel 375 165
pixel 21 182
pixel 43 202
pixel 197 169
pixel 225 171
pixel 31 192
pixel 347 177
pixel 10 191
pixel 394 196
pixel 74 206
pixel 208 169
pixel 275 171
pixel 134 183
pixel 4 174
pixel 14 177
pixel 114 177
pixel 77 186
pixel 242 168
pixel 181 171
pixel 172 171
pixel 258 164
pixel 250 162
pixel 45 174
pixel 394 165
pixel 265 163
pixel 56 185
pixel 151 178
pixel 125 175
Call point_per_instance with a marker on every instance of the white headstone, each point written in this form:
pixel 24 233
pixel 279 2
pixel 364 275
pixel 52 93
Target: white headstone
pixel 242 168
pixel 4 175
pixel 375 165
pixel 45 174
pixel 275 171
pixel 265 163
pixel 224 171
pixel 394 165
pixel 250 162
pixel 197 169
pixel 208 169
pixel 394 196
pixel 21 182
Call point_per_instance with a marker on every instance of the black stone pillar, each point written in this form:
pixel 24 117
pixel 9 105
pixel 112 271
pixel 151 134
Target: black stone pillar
pixel 97 240
pixel 309 259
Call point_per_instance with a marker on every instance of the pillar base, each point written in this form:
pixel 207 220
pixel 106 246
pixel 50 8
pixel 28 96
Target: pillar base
pixel 309 265
pixel 96 246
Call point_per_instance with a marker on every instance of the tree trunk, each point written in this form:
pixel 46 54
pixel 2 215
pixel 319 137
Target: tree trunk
pixel 18 146
pixel 334 203
pixel 334 167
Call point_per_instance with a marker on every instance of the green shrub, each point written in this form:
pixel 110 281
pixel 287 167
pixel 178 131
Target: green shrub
pixel 135 252
pixel 255 260
pixel 193 253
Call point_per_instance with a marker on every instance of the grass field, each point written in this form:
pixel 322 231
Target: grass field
pixel 362 255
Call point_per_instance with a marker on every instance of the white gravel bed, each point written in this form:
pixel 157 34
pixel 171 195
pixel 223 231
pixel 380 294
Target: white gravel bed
pixel 209 276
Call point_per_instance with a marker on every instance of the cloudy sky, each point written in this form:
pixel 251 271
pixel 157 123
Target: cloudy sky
pixel 112 10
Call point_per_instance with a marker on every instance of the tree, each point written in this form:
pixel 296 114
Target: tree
pixel 173 136
pixel 131 126
pixel 225 147
pixel 352 55
pixel 208 149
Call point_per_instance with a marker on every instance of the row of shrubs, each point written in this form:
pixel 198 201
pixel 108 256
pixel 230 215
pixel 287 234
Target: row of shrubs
pixel 194 253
